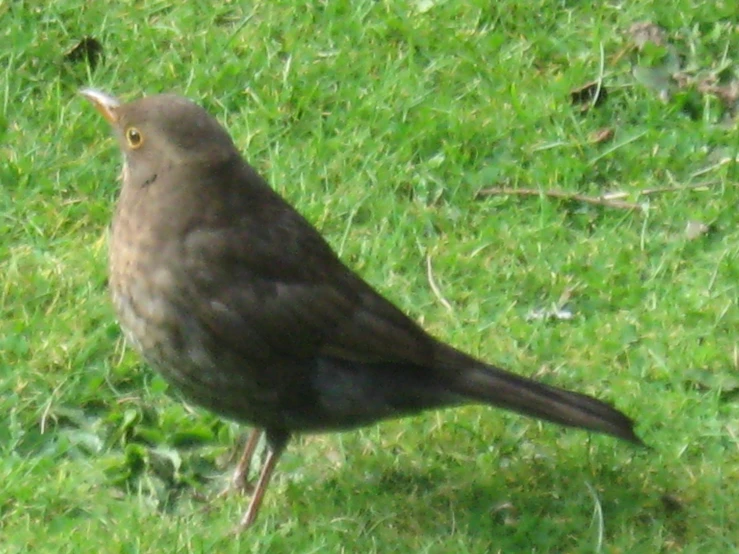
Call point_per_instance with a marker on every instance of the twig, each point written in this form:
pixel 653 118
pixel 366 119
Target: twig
pixel 595 200
pixel 658 190
pixel 434 287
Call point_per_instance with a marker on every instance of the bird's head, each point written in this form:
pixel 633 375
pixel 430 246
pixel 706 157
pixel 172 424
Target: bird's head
pixel 163 129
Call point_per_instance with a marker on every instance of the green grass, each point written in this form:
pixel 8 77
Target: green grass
pixel 381 121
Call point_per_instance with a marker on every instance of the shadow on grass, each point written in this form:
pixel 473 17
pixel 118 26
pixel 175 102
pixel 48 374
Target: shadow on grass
pixel 553 504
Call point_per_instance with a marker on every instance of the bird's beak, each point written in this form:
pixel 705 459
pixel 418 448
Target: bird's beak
pixel 106 104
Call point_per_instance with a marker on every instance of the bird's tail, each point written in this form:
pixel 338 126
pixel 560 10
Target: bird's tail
pixel 491 385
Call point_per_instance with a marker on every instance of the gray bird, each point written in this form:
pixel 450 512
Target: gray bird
pixel 240 303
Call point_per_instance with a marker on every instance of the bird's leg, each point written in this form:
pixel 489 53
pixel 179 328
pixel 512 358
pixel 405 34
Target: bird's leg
pixel 240 477
pixel 277 441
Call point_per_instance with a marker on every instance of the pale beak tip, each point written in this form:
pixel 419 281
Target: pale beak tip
pixel 106 104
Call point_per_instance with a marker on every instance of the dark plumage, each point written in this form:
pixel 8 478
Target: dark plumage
pixel 241 304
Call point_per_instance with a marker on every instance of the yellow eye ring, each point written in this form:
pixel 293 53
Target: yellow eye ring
pixel 134 137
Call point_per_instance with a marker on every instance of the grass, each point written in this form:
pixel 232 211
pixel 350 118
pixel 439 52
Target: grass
pixel 381 122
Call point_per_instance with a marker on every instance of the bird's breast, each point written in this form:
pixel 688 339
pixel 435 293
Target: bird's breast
pixel 159 315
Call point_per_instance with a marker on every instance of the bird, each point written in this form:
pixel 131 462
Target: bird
pixel 242 305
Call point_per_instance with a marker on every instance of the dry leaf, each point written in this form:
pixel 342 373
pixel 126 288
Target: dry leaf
pixel 695 229
pixel 601 135
pixel 647 32
pixel 728 93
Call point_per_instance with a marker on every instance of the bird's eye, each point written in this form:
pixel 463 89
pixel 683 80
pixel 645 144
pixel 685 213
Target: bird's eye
pixel 133 137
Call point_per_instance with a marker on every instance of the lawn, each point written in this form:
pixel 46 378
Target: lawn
pixel 612 268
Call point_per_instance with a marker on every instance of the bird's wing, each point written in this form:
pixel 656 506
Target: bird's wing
pixel 267 284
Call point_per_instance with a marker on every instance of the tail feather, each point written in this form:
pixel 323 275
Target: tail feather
pixel 494 386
